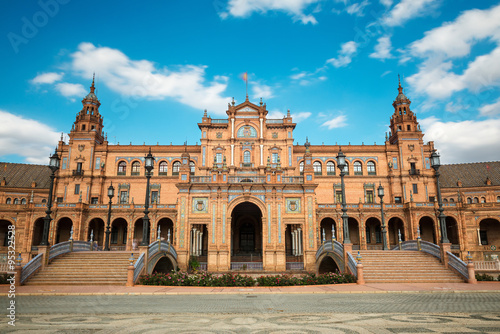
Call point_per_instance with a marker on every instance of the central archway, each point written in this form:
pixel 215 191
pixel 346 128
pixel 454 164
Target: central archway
pixel 246 233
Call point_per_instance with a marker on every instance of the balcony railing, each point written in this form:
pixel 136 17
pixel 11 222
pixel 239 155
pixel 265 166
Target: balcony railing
pixel 274 121
pixel 414 171
pixel 222 121
pixel 78 172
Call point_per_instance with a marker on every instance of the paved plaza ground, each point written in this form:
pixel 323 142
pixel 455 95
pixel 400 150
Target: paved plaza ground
pixel 374 308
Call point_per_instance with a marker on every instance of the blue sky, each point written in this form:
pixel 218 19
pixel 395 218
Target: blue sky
pixel 333 63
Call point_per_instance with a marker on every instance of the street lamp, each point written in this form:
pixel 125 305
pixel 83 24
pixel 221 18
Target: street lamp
pixel 111 194
pixel 54 166
pixel 435 164
pixel 148 164
pixel 341 164
pixel 384 232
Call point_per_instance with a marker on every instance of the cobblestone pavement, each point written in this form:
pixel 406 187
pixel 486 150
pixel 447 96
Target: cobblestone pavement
pixel 259 314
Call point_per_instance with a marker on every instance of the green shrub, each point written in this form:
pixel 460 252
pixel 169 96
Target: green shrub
pixel 484 277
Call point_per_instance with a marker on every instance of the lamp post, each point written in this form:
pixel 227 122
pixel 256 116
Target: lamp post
pixel 341 165
pixel 111 194
pixel 380 190
pixel 54 166
pixel 435 164
pixel 148 164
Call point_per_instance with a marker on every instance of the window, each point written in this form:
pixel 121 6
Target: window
pixel 175 168
pixel 408 127
pixel 484 237
pixel 398 199
pixel 123 197
pixel 77 189
pixel 136 168
pixel 469 200
pixel 16 201
pixel 378 234
pixel 358 168
pixel 483 200
pixel 218 158
pixel 8 201
pixel 83 127
pixel 370 167
pixel 369 196
pixel 44 201
pixel 23 201
pixel 154 197
pixel 79 167
pixel 301 167
pixel 346 168
pixel 330 168
pixel 432 199
pixel 114 235
pixel 476 200
pixel 498 199
pixel 246 157
pixel 317 168
pixel 415 188
pixel 452 200
pixel 122 168
pixel 192 167
pixel 368 235
pixel 94 200
pixel 338 196
pixel 59 200
pixel 274 158
pixel 163 168
pixel 445 200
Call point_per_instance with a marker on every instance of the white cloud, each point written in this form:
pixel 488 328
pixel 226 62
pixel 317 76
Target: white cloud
pixel 437 76
pixel 337 122
pixel 299 117
pixel 491 109
pixel 305 78
pixel 27 138
pixel 383 48
pixel 357 8
pixel 141 78
pixel 261 91
pixel 345 54
pixel 459 142
pixel 69 89
pixel 47 78
pixel 407 10
pixel 387 3
pixel 295 8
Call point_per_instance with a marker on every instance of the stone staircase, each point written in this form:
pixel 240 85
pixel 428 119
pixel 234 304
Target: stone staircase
pixel 85 268
pixel 404 267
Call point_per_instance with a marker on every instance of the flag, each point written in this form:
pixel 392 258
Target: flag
pixel 244 76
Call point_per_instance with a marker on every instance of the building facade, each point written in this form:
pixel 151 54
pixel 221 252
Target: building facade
pixel 248 195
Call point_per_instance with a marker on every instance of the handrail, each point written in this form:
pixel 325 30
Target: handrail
pixel 167 247
pixel 431 248
pixel 458 265
pixel 59 249
pixel 352 265
pixel 31 267
pixel 153 248
pixel 138 266
pixel 408 245
pixel 81 246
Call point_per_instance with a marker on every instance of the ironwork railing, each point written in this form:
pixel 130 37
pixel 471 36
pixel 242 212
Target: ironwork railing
pixel 138 266
pixel 78 172
pixel 31 267
pixel 203 266
pixel 458 265
pixel 59 249
pixel 295 266
pixel 351 263
pixel 246 266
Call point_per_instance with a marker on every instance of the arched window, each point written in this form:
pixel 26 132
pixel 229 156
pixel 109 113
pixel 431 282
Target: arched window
pixel 246 131
pixel 498 199
pixel 330 168
pixel 476 200
pixel 136 168
pixel 469 200
pixel 370 167
pixel 445 200
pixel 301 167
pixel 8 201
pixel 192 167
pixel 163 168
pixel 23 201
pixel 246 157
pixel 452 200
pixel 368 235
pixel 483 200
pixel 358 168
pixel 317 168
pixel 175 168
pixel 16 201
pixel 346 168
pixel 44 201
pixel 122 168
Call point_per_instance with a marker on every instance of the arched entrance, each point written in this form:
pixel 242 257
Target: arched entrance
pixel 373 233
pixel 452 231
pixel 354 233
pixel 327 224
pixel 96 228
pixel 489 232
pixel 427 229
pixel 328 265
pixel 4 232
pixel 118 237
pixel 164 265
pixel 63 230
pixel 246 233
pixel 166 228
pixel 37 232
pixel 395 226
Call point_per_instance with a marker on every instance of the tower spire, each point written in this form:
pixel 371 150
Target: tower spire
pixel 92 87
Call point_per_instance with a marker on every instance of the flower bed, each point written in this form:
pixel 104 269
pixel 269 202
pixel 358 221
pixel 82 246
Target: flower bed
pixel 207 279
